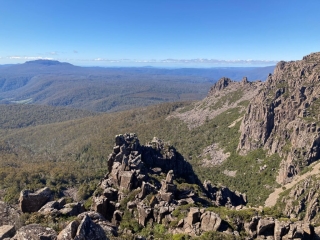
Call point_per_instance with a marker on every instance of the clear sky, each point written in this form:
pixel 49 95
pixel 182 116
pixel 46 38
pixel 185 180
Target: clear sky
pixel 159 32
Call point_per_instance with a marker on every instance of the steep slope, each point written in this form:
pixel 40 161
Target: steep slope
pixel 284 117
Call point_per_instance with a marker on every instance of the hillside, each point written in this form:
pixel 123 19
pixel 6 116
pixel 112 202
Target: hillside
pixel 54 83
pixel 21 116
pixel 240 164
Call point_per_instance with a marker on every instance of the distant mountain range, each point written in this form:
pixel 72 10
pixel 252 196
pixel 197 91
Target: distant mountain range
pixel 55 83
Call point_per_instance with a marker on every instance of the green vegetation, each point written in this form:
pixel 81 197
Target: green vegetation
pixel 21 116
pixel 74 153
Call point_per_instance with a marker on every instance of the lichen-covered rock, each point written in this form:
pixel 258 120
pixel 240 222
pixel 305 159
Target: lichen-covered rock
pixel 35 232
pixel 32 202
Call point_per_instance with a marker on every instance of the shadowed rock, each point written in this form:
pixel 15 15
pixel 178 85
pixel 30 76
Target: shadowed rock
pixel 32 202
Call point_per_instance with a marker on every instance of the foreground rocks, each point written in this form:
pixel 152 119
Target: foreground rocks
pixel 146 175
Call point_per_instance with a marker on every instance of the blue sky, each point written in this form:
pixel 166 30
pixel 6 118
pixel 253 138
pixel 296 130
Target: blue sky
pixel 197 33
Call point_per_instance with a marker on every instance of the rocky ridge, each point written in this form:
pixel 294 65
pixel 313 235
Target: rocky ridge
pixel 223 95
pixel 283 118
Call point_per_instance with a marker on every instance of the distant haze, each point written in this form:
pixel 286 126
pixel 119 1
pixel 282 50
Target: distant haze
pixel 99 89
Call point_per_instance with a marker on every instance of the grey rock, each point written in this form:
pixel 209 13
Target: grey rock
pixel 72 209
pixel 32 202
pixel 69 232
pixel 193 216
pixel 210 221
pixel 35 232
pixel 88 230
pixel 265 226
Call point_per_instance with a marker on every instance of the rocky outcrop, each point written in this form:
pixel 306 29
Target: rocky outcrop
pixel 32 202
pixel 130 165
pixel 270 228
pixel 283 118
pixel 220 85
pixel 88 226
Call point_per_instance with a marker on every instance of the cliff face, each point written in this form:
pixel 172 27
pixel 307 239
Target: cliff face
pixel 284 116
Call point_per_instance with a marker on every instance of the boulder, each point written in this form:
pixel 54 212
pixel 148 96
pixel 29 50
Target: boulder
pixel 168 197
pixel 72 209
pixel 95 216
pixel 280 229
pixel 146 189
pixel 317 233
pixel 7 231
pixel 193 216
pixel 131 205
pixel 145 213
pixel 62 202
pixel 117 217
pixel 299 230
pixel 88 230
pixel 69 232
pixel 111 193
pixel 251 227
pixel 126 180
pixel 35 232
pixel 100 205
pixel 210 221
pixel 170 176
pixel 50 207
pixel 32 202
pixel 266 226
